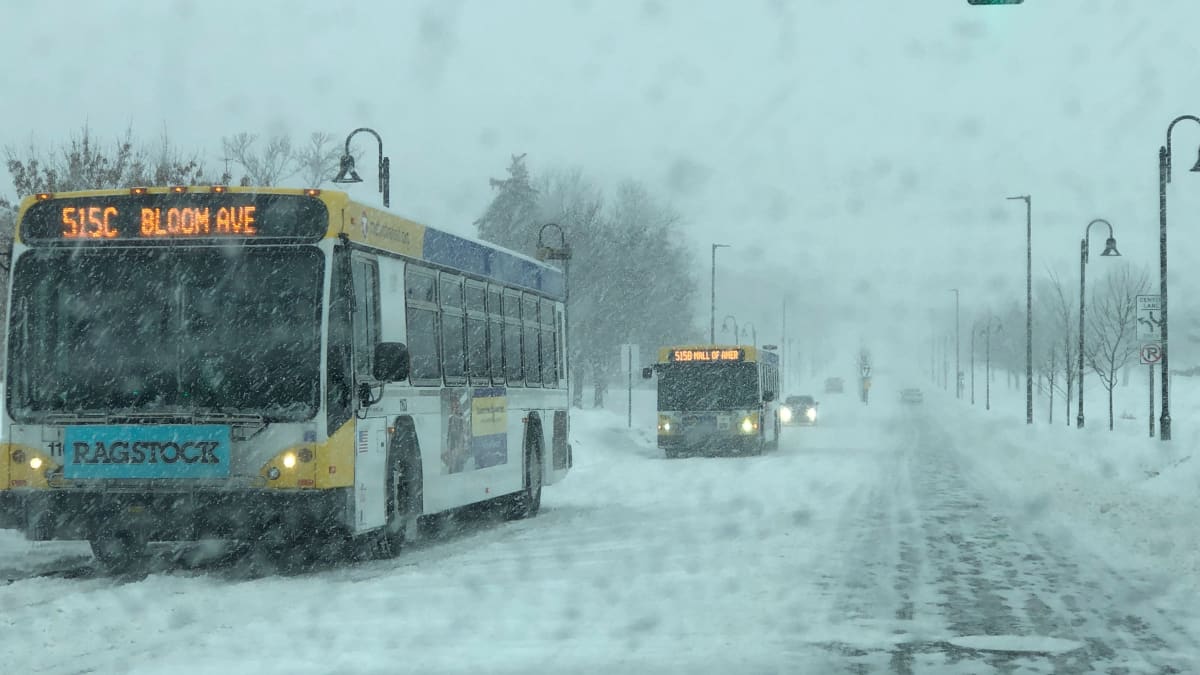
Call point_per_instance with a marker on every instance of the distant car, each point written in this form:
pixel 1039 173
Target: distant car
pixel 798 410
pixel 833 385
pixel 912 396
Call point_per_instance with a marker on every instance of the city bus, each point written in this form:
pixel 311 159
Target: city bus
pixel 272 365
pixel 717 398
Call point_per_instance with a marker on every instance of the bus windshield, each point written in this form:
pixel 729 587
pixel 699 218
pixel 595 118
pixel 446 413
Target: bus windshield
pixel 705 386
pixel 166 330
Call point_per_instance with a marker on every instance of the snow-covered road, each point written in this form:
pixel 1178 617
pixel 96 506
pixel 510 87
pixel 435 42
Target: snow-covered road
pixel 872 543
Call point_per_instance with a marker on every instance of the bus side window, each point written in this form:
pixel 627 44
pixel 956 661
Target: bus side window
pixel 514 375
pixel 454 346
pixel 477 347
pixel 529 332
pixel 424 336
pixel 495 335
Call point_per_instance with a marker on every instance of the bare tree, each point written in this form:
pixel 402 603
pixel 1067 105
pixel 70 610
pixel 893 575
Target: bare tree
pixel 8 222
pixel 1065 322
pixel 319 160
pixel 272 165
pixel 1112 326
pixel 83 163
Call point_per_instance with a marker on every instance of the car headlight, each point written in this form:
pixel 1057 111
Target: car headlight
pixel 664 424
pixel 811 413
pixel 748 425
pixel 785 414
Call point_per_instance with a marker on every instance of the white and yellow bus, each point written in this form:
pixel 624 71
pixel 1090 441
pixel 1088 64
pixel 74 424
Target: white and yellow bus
pixel 717 398
pixel 250 363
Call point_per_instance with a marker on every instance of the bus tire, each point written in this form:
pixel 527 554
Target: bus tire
pixel 405 489
pixel 528 501
pixel 121 552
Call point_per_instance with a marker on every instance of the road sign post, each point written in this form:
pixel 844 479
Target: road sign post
pixel 1150 368
pixel 1151 354
pixel 630 362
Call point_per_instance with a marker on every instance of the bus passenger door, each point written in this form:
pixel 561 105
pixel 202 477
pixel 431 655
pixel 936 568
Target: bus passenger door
pixel 370 424
pixel 370 484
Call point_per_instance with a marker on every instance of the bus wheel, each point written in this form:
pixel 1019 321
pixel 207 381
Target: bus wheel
pixel 404 494
pixel 528 501
pixel 121 552
pixel 757 446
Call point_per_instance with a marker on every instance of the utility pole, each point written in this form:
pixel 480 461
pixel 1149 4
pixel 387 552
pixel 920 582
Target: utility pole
pixel 783 353
pixel 712 316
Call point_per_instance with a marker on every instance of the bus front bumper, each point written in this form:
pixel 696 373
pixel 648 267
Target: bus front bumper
pixel 707 445
pixel 45 515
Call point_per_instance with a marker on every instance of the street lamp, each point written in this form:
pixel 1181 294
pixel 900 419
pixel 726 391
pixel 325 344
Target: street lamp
pixel 1028 308
pixel 987 331
pixel 725 326
pixel 712 315
pixel 1110 249
pixel 974 330
pixel 347 174
pixel 957 367
pixel 561 252
pixel 1164 177
pixel 753 333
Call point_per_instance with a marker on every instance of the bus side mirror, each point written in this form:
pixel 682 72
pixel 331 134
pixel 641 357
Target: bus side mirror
pixel 647 373
pixel 391 362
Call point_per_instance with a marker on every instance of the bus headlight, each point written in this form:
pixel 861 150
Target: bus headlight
pixel 812 414
pixel 35 463
pixel 748 425
pixel 664 424
pixel 785 414
pixel 289 460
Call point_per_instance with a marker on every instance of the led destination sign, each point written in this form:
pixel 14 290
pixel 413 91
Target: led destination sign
pixel 683 355
pixel 174 216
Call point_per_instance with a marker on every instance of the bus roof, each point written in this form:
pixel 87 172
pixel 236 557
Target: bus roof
pixel 380 229
pixel 710 353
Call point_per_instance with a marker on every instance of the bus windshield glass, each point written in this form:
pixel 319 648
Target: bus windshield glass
pixel 211 330
pixel 707 386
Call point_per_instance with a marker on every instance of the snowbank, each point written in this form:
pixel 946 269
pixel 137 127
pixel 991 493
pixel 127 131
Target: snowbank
pixel 1127 499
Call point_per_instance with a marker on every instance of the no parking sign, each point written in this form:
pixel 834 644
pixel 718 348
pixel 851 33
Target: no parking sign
pixel 1151 353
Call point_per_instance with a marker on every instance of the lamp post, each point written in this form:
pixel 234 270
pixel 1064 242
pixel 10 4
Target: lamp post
pixel 561 252
pixel 712 314
pixel 1028 308
pixel 725 326
pixel 1110 249
pixel 974 330
pixel 1164 177
pixel 753 333
pixel 987 372
pixel 957 367
pixel 347 174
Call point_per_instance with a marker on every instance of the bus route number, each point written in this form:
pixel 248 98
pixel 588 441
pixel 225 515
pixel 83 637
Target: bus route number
pixel 90 222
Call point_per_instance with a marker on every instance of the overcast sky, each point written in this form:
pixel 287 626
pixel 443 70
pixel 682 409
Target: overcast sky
pixel 856 152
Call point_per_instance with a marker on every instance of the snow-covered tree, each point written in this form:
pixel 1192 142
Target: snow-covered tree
pixel 511 220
